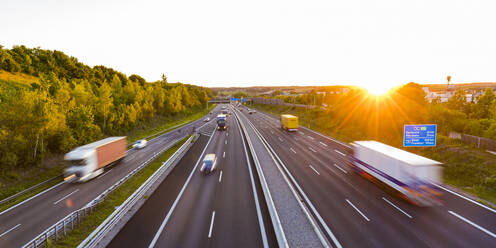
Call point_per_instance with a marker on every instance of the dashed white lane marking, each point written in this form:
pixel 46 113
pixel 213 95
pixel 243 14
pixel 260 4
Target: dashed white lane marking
pixel 399 209
pixel 63 198
pixel 342 154
pixel 220 177
pixel 473 224
pixel 310 137
pixel 211 225
pixel 225 142
pixel 227 134
pixel 322 143
pixel 224 155
pixel 311 149
pixel 341 169
pixel 314 169
pixel 105 173
pixel 292 150
pixel 280 139
pixel 11 229
pixel 360 212
pixel 272 132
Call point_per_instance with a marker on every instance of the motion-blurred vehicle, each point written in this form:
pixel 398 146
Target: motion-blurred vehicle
pixel 289 122
pixel 221 122
pixel 206 119
pixel 225 112
pixel 251 111
pixel 209 163
pixel 88 161
pixel 412 176
pixel 140 144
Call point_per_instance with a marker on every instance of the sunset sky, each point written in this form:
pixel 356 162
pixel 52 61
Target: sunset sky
pixel 374 44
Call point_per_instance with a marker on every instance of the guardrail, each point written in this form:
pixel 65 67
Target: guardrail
pixel 96 236
pixel 74 218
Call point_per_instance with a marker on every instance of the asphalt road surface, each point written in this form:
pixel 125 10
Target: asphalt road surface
pixel 191 209
pixel 360 213
pixel 21 224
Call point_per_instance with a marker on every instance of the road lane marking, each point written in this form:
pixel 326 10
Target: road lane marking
pixel 63 198
pixel 342 154
pixel 473 224
pixel 322 143
pixel 105 173
pixel 466 198
pixel 220 177
pixel 167 217
pixel 224 155
pixel 225 142
pixel 281 139
pixel 272 132
pixel 227 134
pixel 363 215
pixel 314 170
pixel 341 169
pixel 292 150
pixel 211 224
pixel 310 137
pixel 399 209
pixel 16 226
pixel 311 149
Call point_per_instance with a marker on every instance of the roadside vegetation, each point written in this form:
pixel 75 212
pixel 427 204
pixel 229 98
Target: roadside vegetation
pixel 113 200
pixel 50 103
pixel 358 115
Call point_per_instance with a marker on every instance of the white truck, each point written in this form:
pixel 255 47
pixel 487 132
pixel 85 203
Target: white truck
pixel 86 162
pixel 413 176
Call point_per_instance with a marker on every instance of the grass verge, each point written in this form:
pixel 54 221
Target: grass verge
pixel 465 167
pixel 114 199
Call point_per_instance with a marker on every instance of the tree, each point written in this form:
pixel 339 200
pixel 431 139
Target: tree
pixel 458 101
pixel 164 78
pixel 481 108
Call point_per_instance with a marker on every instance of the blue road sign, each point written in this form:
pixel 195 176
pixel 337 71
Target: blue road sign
pixel 419 135
pixel 234 99
pixel 242 100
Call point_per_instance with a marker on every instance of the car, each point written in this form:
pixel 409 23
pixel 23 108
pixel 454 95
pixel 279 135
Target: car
pixel 206 119
pixel 210 113
pixel 209 163
pixel 140 144
pixel 251 112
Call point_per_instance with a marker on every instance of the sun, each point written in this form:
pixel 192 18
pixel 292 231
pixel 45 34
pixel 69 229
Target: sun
pixel 377 90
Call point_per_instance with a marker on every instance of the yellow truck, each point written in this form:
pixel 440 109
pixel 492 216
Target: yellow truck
pixel 289 122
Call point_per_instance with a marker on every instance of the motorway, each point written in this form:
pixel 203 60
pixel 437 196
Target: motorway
pixel 359 213
pixel 23 222
pixel 190 209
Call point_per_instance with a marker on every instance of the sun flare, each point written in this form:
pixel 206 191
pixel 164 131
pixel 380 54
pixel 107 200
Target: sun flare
pixel 377 90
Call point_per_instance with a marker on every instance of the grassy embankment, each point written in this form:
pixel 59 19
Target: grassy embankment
pixel 465 167
pixel 113 200
pixel 14 181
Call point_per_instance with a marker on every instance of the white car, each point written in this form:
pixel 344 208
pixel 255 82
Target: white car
pixel 209 163
pixel 206 119
pixel 140 144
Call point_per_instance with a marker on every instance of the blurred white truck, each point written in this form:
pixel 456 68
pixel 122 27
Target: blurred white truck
pixel 86 162
pixel 411 175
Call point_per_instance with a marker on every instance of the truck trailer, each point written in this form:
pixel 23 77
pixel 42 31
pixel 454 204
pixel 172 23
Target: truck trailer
pixel 88 161
pixel 289 122
pixel 221 122
pixel 412 176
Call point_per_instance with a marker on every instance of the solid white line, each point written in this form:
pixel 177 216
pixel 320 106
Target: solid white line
pixel 310 137
pixel 211 225
pixel 105 173
pixel 255 195
pixel 164 222
pixel 311 149
pixel 292 150
pixel 473 224
pixel 322 143
pixel 281 139
pixel 337 166
pixel 342 154
pixel 16 226
pixel 466 198
pixel 363 215
pixel 220 177
pixel 32 197
pixel 224 154
pixel 66 196
pixel 314 170
pixel 399 209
